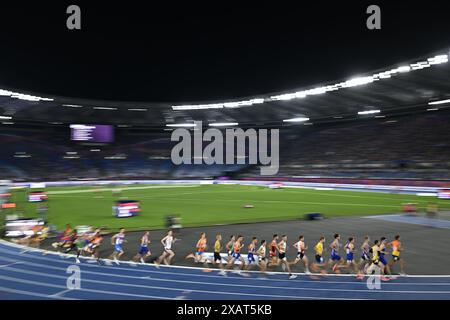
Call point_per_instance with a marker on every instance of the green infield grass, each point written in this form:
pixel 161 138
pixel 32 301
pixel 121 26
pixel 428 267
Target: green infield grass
pixel 207 204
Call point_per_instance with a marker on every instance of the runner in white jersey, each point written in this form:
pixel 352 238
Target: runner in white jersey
pixel 301 248
pixel 282 247
pixel 262 256
pixel 168 253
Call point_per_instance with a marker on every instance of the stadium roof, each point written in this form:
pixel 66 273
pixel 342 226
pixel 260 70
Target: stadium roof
pixel 420 84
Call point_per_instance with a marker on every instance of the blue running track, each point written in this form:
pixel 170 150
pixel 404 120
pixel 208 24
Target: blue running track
pixel 32 275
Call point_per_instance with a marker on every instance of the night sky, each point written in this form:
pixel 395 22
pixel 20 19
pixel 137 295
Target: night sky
pixel 211 50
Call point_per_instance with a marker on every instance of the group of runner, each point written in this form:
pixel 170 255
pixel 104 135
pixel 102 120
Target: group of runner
pixel 373 257
pixel 87 242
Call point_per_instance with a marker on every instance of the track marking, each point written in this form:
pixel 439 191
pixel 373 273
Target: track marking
pixel 82 289
pixel 423 292
pixel 119 189
pixel 190 268
pixel 33 294
pixel 59 294
pixel 8 265
pixel 282 201
pixel 165 288
pixel 205 283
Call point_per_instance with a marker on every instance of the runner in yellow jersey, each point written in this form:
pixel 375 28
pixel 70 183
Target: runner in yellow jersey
pixel 376 266
pixel 319 262
pixel 217 260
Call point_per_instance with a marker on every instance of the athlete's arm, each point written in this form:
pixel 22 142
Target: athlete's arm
pixel 332 245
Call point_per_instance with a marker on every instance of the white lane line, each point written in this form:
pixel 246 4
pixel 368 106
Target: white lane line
pixel 68 256
pixel 59 294
pixel 82 289
pixel 401 199
pixel 291 202
pixel 216 276
pixel 168 197
pixel 163 196
pixel 119 189
pixel 165 288
pixel 10 264
pixel 206 283
pixel 33 294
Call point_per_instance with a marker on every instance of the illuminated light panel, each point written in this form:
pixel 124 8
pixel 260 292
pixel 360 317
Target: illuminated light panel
pixel 439 59
pixel 72 105
pixel 368 112
pixel 223 124
pixel 357 82
pixel 431 103
pixel 403 69
pixel 21 96
pixel 180 125
pixel 104 108
pixel 299 119
pixel 235 104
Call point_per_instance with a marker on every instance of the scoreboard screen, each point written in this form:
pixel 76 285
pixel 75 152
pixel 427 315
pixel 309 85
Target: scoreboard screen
pixel 444 194
pixel 92 133
pixel 37 196
pixel 126 208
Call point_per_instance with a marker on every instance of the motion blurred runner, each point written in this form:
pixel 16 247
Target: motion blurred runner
pixel 318 258
pixel 230 246
pixel 273 248
pixel 282 247
pixel 382 258
pixel 396 250
pixel 262 256
pixel 335 258
pixel 199 255
pixel 168 253
pixel 251 255
pixel 236 255
pixel 117 240
pixel 349 254
pixel 364 261
pixel 301 248
pixel 217 260
pixel 144 251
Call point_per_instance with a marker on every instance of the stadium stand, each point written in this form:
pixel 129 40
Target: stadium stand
pixel 407 147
